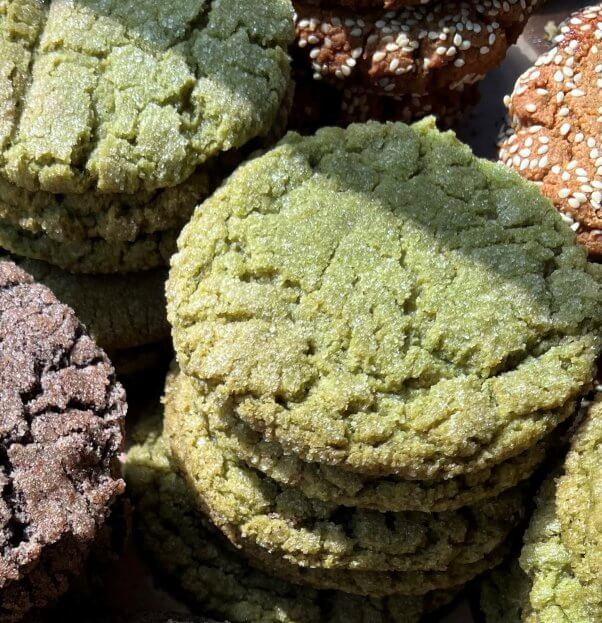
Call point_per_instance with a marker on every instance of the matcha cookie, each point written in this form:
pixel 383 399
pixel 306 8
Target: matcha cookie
pixel 558 579
pixel 546 582
pixel 277 523
pixel 121 97
pixel 61 426
pixel 554 137
pixel 578 501
pixel 120 312
pixel 210 574
pixel 94 255
pixel 341 487
pixel 379 299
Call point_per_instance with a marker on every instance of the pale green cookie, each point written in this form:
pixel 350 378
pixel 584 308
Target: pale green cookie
pixel 550 591
pixel 118 96
pixel 213 577
pixel 114 218
pixel 579 499
pixel 92 256
pixel 380 300
pixel 279 526
pixel 332 484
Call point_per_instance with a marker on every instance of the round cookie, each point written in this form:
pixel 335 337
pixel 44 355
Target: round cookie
pixel 142 92
pixel 545 583
pixel 578 500
pixel 341 487
pixel 210 574
pixel 415 50
pixel 60 437
pixel 120 312
pixel 439 321
pixel 93 256
pixel 555 114
pixel 114 218
pixel 276 523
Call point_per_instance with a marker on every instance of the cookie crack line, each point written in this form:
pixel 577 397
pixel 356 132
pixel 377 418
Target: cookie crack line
pixel 129 133
pixel 341 374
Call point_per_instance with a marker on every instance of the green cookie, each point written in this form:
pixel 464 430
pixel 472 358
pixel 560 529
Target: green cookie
pixel 558 579
pixel 92 256
pixel 324 543
pixel 210 573
pixel 338 486
pixel 119 96
pixel 380 300
pixel 114 218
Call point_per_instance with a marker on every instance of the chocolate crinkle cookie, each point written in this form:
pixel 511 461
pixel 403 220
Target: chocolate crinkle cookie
pixel 61 420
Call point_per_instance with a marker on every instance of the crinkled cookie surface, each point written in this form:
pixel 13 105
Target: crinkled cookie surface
pixel 378 298
pixel 213 576
pixel 119 96
pixel 61 422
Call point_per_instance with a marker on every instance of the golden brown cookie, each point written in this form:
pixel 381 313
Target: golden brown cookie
pixel 556 115
pixel 414 50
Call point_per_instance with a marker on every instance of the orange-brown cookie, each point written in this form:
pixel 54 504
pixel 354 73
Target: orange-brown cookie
pixel 321 104
pixel 414 50
pixel 555 122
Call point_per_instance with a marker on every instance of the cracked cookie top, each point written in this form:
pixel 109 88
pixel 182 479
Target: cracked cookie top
pixel 555 114
pixel 118 96
pixel 60 435
pixel 380 299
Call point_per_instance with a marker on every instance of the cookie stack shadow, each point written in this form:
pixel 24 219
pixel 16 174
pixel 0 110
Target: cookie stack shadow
pixel 115 123
pixel 293 476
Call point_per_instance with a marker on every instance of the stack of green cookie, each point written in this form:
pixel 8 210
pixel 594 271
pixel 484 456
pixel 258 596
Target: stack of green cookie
pixel 559 575
pixel 115 116
pixel 377 335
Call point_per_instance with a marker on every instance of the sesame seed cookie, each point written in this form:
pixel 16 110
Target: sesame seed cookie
pixel 341 487
pixel 211 574
pixel 61 429
pixel 555 115
pixel 117 97
pixel 416 50
pixel 318 104
pixel 381 300
pixel 280 523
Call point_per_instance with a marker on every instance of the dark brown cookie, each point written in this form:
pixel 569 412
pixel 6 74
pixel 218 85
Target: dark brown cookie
pixel 61 419
pixel 319 104
pixel 555 116
pixel 414 50
pixel 367 4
